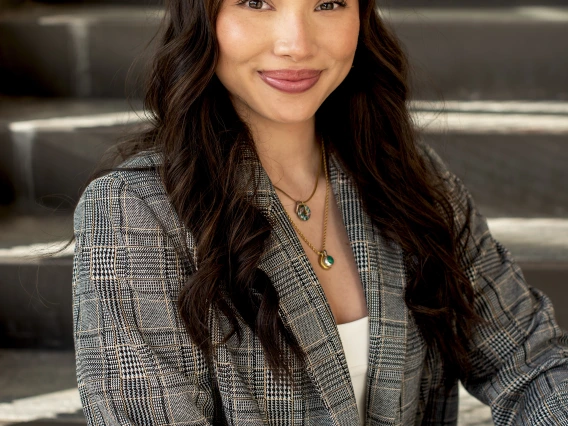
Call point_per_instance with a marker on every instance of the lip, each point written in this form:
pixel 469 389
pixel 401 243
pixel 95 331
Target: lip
pixel 291 81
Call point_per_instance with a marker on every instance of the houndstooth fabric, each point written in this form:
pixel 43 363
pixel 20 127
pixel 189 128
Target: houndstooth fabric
pixel 136 365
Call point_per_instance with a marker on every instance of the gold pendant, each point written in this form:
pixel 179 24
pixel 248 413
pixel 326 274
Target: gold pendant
pixel 325 260
pixel 303 211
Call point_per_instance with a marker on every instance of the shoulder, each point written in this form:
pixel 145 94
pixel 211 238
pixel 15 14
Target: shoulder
pixel 132 196
pixel 436 165
pixel 139 171
pixel 433 161
pixel 449 186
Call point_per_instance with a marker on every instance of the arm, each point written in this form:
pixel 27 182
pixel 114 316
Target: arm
pixel 520 356
pixel 135 363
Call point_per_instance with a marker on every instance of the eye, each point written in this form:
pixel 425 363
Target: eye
pixel 254 4
pixel 331 5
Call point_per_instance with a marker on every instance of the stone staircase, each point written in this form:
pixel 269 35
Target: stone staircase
pixel 491 90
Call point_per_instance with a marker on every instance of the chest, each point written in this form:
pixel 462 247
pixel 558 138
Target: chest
pixel 341 283
pixel 325 229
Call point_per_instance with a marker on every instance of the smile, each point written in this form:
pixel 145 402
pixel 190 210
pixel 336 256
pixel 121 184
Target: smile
pixel 291 81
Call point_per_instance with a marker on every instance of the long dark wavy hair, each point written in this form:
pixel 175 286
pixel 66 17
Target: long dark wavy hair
pixel 365 122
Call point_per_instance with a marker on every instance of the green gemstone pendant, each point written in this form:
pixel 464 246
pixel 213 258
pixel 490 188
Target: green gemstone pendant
pixel 303 211
pixel 326 261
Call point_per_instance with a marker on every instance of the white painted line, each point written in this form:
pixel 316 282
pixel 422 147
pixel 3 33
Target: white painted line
pixel 549 232
pixel 466 117
pixel 22 155
pixel 46 406
pixel 34 251
pixel 86 121
pixel 485 123
pixel 493 106
pixel 549 14
pixel 90 16
pixel 484 15
pixel 79 34
pixel 491 117
pixel 51 20
pixel 532 240
pixel 521 224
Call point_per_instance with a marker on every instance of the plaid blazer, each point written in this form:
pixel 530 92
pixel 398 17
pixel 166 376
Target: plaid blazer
pixel 136 364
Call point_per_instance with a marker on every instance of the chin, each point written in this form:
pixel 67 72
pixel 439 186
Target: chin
pixel 291 118
pixel 290 114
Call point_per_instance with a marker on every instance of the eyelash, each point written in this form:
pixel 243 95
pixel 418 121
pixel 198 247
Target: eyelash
pixel 340 3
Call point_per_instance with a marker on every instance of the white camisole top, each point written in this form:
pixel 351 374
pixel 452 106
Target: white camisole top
pixel 355 340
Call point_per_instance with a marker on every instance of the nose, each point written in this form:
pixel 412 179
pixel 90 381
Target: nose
pixel 294 36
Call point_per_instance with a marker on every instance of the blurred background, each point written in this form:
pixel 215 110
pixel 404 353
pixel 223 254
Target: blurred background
pixel 490 90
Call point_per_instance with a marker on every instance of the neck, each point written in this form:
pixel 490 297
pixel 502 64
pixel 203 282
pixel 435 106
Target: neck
pixel 289 153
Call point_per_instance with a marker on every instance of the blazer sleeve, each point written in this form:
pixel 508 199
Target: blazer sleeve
pixel 135 362
pixel 520 355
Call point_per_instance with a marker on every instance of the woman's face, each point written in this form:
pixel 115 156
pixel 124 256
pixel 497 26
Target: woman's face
pixel 280 59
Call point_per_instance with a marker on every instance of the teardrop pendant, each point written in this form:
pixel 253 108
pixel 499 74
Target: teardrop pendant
pixel 325 260
pixel 303 211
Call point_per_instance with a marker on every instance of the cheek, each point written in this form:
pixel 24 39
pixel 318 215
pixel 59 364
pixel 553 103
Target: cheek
pixel 237 38
pixel 345 42
pixel 339 39
pixel 229 33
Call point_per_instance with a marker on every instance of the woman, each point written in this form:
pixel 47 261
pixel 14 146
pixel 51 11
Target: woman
pixel 279 249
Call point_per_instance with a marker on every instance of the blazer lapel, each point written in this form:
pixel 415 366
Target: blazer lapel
pixel 305 310
pixel 383 276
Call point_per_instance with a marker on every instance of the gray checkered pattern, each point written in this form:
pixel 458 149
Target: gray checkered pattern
pixel 136 365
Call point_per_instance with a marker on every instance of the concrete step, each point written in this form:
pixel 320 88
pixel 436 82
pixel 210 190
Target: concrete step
pixel 485 53
pixel 35 281
pixel 39 387
pixel 35 303
pixel 25 230
pixel 458 53
pixel 511 155
pixel 510 175
pixel 49 148
pixel 74 49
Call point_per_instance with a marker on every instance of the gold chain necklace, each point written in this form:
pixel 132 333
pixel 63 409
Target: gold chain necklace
pixel 303 211
pixel 325 260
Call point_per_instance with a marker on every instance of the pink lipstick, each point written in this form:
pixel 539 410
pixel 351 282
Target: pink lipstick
pixel 291 81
